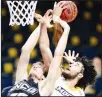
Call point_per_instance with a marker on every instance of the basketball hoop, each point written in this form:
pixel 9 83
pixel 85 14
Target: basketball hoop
pixel 21 12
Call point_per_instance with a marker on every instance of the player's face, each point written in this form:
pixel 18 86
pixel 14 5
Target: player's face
pixel 73 70
pixel 37 70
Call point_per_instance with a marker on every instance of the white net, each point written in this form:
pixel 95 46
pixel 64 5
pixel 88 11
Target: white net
pixel 21 12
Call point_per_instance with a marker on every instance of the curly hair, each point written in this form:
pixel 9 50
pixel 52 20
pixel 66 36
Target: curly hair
pixel 89 73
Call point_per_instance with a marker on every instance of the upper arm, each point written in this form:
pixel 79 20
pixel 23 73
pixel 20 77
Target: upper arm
pixel 45 47
pixel 53 74
pixel 54 69
pixel 21 72
pixel 45 89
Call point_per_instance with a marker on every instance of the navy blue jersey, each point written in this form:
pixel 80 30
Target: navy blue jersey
pixel 24 88
pixel 5 91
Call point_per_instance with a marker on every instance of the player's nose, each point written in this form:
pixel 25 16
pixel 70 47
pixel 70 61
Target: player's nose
pixel 71 64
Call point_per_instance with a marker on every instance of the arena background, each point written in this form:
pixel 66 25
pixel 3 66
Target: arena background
pixel 85 38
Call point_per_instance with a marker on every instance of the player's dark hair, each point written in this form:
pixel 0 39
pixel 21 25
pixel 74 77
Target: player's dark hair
pixel 89 73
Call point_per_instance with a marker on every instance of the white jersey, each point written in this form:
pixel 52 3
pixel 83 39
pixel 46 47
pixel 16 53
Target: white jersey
pixel 61 89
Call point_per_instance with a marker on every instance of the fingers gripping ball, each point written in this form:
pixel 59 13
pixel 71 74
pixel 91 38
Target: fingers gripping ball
pixel 70 12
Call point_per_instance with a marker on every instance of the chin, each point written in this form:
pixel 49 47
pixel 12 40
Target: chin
pixel 66 75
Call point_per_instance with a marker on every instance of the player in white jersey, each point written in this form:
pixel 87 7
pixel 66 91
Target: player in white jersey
pixel 73 80
pixel 62 89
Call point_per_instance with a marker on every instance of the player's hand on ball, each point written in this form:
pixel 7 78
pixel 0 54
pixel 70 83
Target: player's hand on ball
pixel 58 8
pixel 38 17
pixel 69 57
pixel 47 18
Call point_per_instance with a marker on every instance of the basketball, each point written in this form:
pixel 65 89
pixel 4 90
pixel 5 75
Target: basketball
pixel 69 14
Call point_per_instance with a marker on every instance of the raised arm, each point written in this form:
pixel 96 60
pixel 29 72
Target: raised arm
pixel 27 48
pixel 53 73
pixel 56 61
pixel 44 40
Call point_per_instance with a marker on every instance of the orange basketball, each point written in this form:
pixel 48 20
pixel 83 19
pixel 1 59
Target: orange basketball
pixel 69 14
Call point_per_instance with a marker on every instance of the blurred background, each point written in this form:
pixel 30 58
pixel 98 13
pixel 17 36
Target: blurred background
pixel 85 38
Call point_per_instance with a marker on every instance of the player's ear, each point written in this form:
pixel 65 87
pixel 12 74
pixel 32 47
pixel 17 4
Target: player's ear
pixel 80 75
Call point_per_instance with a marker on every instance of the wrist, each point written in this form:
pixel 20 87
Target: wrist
pixel 56 18
pixel 43 25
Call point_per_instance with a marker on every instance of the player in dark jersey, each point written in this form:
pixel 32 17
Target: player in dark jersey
pixel 24 83
pixel 34 84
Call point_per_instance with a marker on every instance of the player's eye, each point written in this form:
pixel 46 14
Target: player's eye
pixel 70 62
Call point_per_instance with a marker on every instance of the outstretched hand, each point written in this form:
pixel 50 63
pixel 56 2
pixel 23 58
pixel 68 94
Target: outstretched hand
pixel 69 57
pixel 58 8
pixel 38 17
pixel 47 18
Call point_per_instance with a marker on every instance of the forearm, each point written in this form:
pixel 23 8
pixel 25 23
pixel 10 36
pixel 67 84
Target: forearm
pixel 21 72
pixel 44 47
pixel 44 40
pixel 32 40
pixel 55 65
pixel 63 40
pixel 54 70
pixel 61 46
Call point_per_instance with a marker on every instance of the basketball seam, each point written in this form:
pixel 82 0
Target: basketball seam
pixel 74 12
pixel 71 10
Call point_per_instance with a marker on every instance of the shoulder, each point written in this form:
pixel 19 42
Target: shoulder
pixel 5 90
pixel 80 91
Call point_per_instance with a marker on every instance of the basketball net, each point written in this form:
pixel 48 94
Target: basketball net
pixel 21 12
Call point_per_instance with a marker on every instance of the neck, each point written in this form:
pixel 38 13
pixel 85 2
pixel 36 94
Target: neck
pixel 72 82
